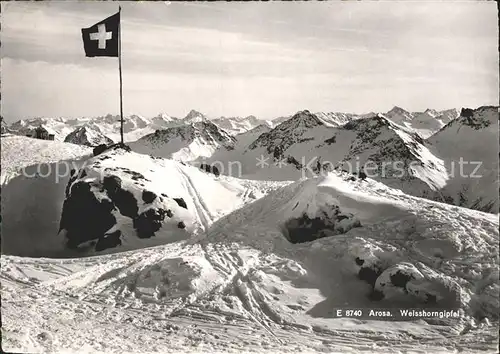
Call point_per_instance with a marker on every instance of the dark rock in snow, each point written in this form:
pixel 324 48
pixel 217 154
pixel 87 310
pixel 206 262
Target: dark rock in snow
pixel 109 241
pixel 148 222
pixel 400 279
pixel 210 169
pixel 85 217
pixel 181 225
pixel 136 176
pixel 99 149
pixel 121 146
pixel 125 202
pixel 328 222
pixel 148 197
pixel 181 202
pixel 376 295
pixel 369 274
pixel 112 184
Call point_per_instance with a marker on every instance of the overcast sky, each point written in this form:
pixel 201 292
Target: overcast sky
pixel 265 59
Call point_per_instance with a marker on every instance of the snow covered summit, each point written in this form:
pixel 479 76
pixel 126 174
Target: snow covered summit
pixel 113 202
pixel 289 132
pixel 194 117
pixel 87 136
pixel 399 115
pixel 185 142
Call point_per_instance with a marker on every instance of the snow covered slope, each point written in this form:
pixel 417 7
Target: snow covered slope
pixel 468 146
pixel 185 142
pixel 243 286
pixel 113 202
pixel 87 136
pixel 20 153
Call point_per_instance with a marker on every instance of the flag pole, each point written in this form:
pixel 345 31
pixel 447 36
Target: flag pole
pixel 120 71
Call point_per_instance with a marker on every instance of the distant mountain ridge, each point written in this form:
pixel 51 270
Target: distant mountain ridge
pixel 185 142
pixel 424 123
pixel 136 126
pixel 398 155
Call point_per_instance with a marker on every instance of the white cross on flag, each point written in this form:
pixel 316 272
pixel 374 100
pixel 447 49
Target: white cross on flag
pixel 101 40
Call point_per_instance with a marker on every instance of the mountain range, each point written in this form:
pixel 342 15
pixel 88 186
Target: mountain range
pixel 257 237
pixel 411 151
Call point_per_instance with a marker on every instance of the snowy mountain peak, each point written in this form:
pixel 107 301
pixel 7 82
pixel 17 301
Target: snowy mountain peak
pixel 448 115
pixel 398 114
pixel 87 136
pixel 399 110
pixel 163 120
pixel 289 132
pixel 163 116
pixel 431 112
pixel 194 116
pixel 185 142
pixel 304 118
pixel 481 117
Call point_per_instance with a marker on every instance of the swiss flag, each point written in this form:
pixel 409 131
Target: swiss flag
pixel 101 40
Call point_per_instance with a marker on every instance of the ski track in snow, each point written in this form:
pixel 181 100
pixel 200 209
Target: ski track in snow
pixel 202 210
pixel 102 321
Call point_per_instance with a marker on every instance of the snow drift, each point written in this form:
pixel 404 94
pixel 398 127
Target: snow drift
pixel 409 252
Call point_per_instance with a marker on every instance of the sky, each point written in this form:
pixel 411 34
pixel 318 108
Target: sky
pixel 267 59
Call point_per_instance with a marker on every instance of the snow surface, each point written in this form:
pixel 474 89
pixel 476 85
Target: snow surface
pixel 19 152
pixel 235 282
